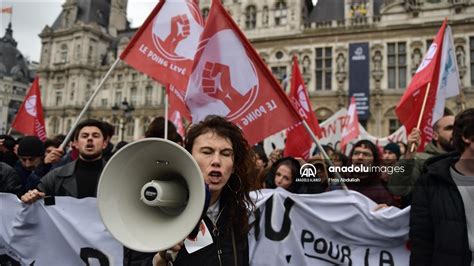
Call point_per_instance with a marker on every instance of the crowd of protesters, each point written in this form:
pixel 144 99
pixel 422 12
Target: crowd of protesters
pixel 437 183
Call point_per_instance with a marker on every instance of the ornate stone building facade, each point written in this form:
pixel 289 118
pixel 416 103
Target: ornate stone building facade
pixel 16 73
pixel 80 46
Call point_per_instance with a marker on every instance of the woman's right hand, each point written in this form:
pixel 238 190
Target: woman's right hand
pixel 162 257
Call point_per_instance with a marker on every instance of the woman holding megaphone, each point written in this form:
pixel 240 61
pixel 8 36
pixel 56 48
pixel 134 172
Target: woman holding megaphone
pixel 227 165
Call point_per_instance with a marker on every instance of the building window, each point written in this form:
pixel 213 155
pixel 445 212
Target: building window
pixel 250 17
pixel 265 16
pixel 148 95
pixel 59 98
pixel 118 98
pixel 396 65
pixel 63 54
pixel 279 72
pixel 393 125
pixel 119 77
pixel 471 44
pixel 323 68
pixel 280 13
pixel 88 92
pixel 104 102
pixel 134 76
pixel 55 125
pixel 133 96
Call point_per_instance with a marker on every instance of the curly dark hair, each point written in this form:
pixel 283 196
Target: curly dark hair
pixel 294 166
pixel 463 127
pixel 244 168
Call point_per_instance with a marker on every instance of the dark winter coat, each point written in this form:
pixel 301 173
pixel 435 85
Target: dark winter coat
pixel 438 229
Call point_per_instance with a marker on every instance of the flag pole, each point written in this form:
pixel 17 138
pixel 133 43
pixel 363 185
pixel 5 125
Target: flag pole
pixel 412 148
pixel 89 102
pixel 9 131
pixel 166 114
pixel 323 152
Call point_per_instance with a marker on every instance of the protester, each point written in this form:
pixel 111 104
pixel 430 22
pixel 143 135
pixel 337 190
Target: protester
pixel 401 183
pixel 10 181
pixel 156 129
pixel 52 152
pixel 403 147
pixel 31 167
pixel 442 216
pixel 7 150
pixel 275 155
pixel 391 155
pixel 227 164
pixel 284 173
pixel 365 154
pixel 109 132
pixel 78 178
pixel 261 162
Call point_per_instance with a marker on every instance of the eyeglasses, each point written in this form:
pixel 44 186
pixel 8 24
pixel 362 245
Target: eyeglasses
pixel 364 153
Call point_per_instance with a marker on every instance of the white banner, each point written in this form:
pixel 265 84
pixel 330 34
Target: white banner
pixel 332 130
pixel 68 233
pixel 332 228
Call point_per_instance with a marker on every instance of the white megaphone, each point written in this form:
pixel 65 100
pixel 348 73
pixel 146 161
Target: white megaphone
pixel 151 195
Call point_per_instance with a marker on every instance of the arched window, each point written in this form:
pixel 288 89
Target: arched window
pixel 280 13
pixel 251 17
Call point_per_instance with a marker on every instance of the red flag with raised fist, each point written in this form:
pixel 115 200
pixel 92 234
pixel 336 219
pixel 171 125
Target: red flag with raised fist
pixel 165 45
pixel 298 141
pixel 30 119
pixel 409 108
pixel 350 129
pixel 230 79
pixel 177 108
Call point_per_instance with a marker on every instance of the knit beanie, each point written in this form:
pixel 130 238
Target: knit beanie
pixel 30 146
pixel 393 147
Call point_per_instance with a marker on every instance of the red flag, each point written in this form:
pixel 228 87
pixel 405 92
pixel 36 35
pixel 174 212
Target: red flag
pixel 165 45
pixel 8 10
pixel 176 102
pixel 230 79
pixel 409 108
pixel 350 130
pixel 30 119
pixel 298 141
pixel 177 120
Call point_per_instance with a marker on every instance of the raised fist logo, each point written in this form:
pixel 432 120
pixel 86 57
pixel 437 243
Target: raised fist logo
pixel 216 83
pixel 180 29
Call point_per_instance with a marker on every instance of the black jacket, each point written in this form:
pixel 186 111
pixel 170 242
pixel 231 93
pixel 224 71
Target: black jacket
pixel 10 181
pixel 208 255
pixel 438 229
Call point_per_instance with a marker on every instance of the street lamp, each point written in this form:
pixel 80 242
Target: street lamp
pixel 127 110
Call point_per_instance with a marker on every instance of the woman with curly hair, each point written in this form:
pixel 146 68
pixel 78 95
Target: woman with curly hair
pixel 227 165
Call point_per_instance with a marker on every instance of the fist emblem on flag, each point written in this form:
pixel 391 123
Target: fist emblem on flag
pixel 180 29
pixel 216 83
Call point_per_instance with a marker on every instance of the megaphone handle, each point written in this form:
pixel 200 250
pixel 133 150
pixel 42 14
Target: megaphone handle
pixel 171 256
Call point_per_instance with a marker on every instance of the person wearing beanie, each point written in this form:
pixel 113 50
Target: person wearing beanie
pixel 30 166
pixel 391 153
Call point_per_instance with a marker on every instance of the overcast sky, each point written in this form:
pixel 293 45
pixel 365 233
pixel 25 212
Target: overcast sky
pixel 31 16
